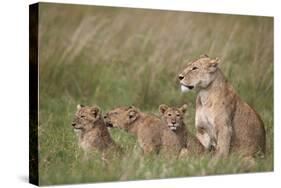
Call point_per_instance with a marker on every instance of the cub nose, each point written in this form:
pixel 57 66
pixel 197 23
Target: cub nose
pixel 181 77
pixel 105 116
pixel 173 121
pixel 73 124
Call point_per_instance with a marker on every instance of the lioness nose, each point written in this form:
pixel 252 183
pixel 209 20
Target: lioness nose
pixel 173 121
pixel 73 124
pixel 181 77
pixel 105 116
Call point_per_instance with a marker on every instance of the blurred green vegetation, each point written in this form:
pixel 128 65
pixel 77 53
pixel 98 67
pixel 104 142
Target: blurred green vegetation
pixel 117 56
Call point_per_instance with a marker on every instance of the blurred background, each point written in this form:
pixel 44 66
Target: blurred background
pixel 120 56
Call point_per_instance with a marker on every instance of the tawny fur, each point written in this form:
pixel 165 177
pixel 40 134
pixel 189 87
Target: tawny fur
pixel 173 118
pixel 223 120
pixel 91 130
pixel 152 135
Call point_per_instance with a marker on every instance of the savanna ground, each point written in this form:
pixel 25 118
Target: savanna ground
pixel 113 56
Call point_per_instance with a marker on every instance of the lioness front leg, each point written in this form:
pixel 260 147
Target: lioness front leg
pixel 224 131
pixel 204 139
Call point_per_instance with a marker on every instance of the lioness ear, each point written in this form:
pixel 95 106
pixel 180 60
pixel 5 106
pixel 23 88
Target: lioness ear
pixel 163 108
pixel 79 106
pixel 213 64
pixel 184 108
pixel 95 111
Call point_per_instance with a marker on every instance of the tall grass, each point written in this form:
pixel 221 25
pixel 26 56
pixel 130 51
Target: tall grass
pixel 115 56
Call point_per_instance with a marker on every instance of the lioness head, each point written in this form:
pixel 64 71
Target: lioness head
pixel 172 116
pixel 199 73
pixel 121 117
pixel 86 118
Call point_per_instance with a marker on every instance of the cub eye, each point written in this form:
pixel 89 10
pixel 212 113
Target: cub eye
pixel 169 114
pixel 82 116
pixel 194 68
pixel 178 115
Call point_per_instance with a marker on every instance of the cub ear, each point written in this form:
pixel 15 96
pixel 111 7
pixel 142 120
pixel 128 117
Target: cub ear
pixel 95 111
pixel 79 106
pixel 184 108
pixel 131 107
pixel 132 114
pixel 163 108
pixel 213 64
pixel 203 56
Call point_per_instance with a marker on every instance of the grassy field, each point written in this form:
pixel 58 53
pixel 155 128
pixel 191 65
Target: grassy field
pixel 112 57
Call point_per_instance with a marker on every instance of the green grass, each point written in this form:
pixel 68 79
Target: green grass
pixel 112 57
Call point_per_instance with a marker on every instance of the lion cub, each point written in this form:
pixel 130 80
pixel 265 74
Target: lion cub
pixel 223 120
pixel 91 130
pixel 173 118
pixel 152 135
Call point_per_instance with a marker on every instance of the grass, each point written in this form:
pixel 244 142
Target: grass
pixel 113 56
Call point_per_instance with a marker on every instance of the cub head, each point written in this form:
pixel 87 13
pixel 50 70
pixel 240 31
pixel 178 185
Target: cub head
pixel 86 118
pixel 172 116
pixel 198 74
pixel 121 117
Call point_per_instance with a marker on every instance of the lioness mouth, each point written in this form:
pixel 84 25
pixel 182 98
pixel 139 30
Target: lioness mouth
pixel 189 87
pixel 186 88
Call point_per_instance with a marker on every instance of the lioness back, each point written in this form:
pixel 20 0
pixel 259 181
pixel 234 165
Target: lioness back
pixel 249 136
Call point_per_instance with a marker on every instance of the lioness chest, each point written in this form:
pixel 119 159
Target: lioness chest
pixel 205 126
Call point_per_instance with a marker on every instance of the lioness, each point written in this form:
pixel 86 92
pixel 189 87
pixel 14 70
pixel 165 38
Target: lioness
pixel 173 118
pixel 91 130
pixel 222 119
pixel 152 135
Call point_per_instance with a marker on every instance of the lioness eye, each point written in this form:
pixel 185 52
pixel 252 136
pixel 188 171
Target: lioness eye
pixel 82 116
pixel 178 114
pixel 194 68
pixel 169 114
